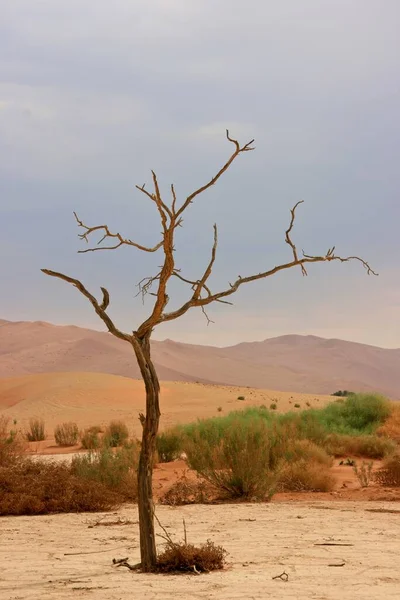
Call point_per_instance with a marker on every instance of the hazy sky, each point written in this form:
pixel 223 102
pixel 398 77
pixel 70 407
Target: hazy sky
pixel 94 94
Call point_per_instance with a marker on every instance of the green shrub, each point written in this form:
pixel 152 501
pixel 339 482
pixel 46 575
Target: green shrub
pixel 273 406
pixel 90 438
pixel 358 413
pixel 169 445
pixel 116 434
pixel 115 469
pixel 241 464
pixel 36 431
pixel 66 434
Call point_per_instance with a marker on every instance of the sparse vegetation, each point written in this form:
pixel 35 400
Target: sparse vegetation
pixel 342 393
pixel 241 398
pixel 273 406
pixel 66 434
pixel 363 473
pixel 297 405
pixel 36 431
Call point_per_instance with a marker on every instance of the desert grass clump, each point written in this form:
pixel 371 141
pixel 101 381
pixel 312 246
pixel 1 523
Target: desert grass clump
pixel 363 472
pixel 306 476
pixel 34 487
pixel 239 464
pixel 273 406
pixel 389 474
pixel 36 431
pixel 169 445
pixel 114 469
pixel 116 434
pixel 90 437
pixel 66 434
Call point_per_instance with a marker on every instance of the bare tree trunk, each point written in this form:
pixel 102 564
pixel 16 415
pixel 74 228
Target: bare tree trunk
pixel 150 422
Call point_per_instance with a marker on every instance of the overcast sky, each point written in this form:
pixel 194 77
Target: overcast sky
pixel 94 94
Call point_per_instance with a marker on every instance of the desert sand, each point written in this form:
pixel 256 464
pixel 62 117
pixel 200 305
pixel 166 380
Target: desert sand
pixel 96 398
pixel 63 556
pixel 294 363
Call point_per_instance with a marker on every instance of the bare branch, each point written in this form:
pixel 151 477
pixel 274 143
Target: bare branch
pixel 99 308
pixel 145 285
pixel 238 150
pixel 173 198
pixel 208 270
pixel 108 234
pixel 203 310
pixel 288 238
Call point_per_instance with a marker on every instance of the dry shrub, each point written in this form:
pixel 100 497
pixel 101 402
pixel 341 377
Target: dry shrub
pixel 307 451
pixel 66 434
pixel 304 476
pixel 389 474
pixel 185 557
pixel 391 427
pixel 186 491
pixel 36 431
pixel 368 446
pixel 116 434
pixel 240 465
pixel 363 473
pixel 90 437
pixel 38 487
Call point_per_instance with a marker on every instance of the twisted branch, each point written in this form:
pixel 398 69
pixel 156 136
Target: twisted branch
pixel 99 308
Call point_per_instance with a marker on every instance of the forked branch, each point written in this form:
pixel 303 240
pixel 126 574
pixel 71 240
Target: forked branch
pixel 238 150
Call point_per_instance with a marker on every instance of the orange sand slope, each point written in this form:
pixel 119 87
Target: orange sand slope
pixel 293 363
pixel 96 398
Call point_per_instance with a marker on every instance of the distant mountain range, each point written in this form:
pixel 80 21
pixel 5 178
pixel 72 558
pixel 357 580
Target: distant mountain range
pixel 306 364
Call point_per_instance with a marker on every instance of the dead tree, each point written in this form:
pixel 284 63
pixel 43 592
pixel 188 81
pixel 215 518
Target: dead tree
pixel 200 296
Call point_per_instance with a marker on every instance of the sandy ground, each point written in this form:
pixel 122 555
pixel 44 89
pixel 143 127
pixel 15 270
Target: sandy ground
pixel 96 399
pixel 61 556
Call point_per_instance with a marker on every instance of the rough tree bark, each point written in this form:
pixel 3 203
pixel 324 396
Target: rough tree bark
pixel 150 422
pixel 199 297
